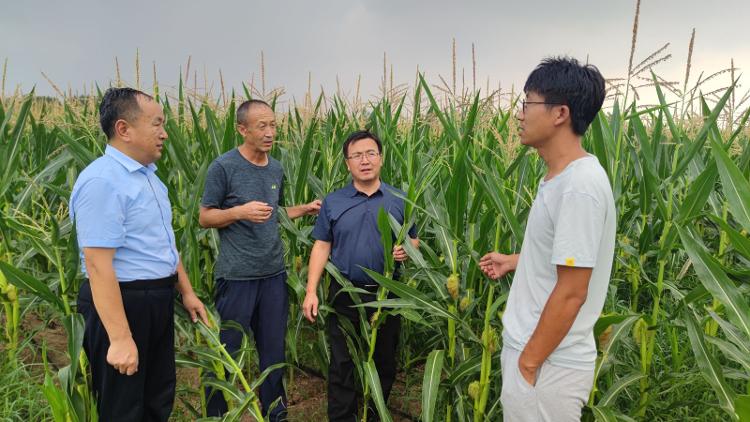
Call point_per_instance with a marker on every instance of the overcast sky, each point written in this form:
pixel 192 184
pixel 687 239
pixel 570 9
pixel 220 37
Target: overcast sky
pixel 75 42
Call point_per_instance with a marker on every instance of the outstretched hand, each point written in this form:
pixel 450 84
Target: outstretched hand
pixel 313 208
pixel 496 265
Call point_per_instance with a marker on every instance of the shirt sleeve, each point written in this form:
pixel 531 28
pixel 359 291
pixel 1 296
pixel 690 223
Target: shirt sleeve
pixel 99 215
pixel 322 230
pixel 578 230
pixel 413 231
pixel 215 190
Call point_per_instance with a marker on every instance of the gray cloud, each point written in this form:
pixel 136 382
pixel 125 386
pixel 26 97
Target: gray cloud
pixel 75 42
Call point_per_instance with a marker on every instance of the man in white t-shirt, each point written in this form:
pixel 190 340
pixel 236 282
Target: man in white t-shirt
pixel 562 273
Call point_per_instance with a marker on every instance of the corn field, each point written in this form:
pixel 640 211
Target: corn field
pixel 674 338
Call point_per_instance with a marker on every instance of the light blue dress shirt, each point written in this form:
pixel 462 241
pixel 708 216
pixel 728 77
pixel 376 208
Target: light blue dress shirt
pixel 119 203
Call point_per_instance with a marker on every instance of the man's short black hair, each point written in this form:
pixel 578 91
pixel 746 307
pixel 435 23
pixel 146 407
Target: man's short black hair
pixel 564 80
pixel 119 104
pixel 246 106
pixel 358 136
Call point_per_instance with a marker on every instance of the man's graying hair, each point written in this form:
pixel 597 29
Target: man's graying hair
pixel 245 107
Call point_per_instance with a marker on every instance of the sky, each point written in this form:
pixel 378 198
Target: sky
pixel 75 42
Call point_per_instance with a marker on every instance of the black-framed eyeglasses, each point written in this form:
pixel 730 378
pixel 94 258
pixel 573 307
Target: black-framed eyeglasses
pixel 524 102
pixel 358 156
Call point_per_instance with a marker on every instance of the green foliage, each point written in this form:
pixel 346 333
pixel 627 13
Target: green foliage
pixel 673 339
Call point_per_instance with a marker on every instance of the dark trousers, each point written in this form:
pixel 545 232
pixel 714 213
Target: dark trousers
pixel 147 395
pixel 261 307
pixel 343 392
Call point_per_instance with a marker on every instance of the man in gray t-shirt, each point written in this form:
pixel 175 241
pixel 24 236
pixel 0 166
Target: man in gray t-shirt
pixel 249 250
pixel 244 190
pixel 562 273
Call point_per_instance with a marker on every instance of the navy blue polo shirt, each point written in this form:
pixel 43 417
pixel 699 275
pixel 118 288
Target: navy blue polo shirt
pixel 349 220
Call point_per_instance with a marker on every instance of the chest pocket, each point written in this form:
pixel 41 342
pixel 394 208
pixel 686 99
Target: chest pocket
pixel 146 214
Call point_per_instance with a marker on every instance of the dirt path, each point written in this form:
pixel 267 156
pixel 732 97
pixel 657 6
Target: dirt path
pixel 306 391
pixel 306 394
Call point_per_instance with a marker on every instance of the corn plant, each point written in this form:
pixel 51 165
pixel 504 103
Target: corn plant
pixel 673 338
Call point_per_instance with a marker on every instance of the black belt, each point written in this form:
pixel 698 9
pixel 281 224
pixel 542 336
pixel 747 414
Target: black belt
pixel 156 283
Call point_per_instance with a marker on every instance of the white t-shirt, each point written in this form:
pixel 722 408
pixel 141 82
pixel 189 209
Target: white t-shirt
pixel 571 223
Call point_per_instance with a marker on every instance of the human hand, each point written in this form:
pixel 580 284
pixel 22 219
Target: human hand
pixel 123 355
pixel 195 308
pixel 313 208
pixel 496 265
pixel 528 370
pixel 399 253
pixel 310 306
pixel 253 211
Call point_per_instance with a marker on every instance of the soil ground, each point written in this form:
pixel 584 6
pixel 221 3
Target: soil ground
pixel 306 390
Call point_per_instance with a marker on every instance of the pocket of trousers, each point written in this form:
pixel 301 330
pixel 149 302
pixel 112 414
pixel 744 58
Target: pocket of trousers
pixel 525 385
pixel 85 301
pixel 221 286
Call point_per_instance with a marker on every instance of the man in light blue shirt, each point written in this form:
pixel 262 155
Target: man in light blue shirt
pixel 123 221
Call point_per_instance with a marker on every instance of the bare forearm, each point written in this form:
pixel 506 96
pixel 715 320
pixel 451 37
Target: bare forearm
pixel 513 261
pixel 414 242
pixel 105 291
pixel 183 282
pixel 557 317
pixel 318 259
pixel 215 218
pixel 296 211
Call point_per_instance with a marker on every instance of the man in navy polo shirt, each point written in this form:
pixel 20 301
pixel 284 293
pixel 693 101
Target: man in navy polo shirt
pixel 123 221
pixel 347 231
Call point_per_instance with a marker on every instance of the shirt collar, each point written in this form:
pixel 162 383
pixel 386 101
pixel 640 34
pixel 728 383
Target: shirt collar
pixel 130 164
pixel 351 191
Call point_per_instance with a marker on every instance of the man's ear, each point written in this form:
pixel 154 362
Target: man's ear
pixel 122 129
pixel 562 115
pixel 241 129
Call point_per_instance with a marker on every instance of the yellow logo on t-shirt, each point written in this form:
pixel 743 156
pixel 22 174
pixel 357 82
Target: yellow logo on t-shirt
pixel 570 262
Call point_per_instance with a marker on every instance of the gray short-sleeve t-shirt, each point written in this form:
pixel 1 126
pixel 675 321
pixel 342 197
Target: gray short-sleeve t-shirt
pixel 248 251
pixel 572 222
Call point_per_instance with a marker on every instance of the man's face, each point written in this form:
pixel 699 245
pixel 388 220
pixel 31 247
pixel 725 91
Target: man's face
pixel 146 132
pixel 364 160
pixel 536 120
pixel 259 128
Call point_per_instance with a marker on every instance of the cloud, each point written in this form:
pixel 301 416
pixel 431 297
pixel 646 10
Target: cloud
pixel 76 42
